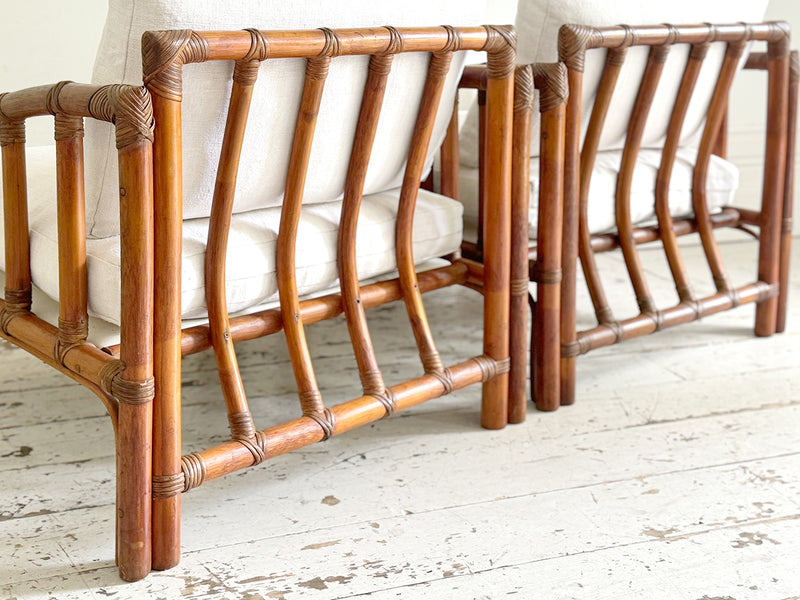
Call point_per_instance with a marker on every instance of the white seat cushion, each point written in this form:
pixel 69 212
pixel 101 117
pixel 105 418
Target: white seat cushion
pixel 721 184
pixel 276 98
pixel 250 270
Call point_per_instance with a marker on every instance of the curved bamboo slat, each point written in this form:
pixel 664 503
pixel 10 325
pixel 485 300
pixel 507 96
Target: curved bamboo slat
pixel 633 142
pixel 371 379
pixel 608 81
pixel 666 225
pixel 239 417
pixel 431 95
pixel 716 112
pixel 308 391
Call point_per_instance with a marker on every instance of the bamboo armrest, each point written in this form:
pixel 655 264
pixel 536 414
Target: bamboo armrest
pixel 64 346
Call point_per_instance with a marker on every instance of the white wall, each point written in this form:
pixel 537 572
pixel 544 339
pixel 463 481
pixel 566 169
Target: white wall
pixel 748 110
pixel 45 41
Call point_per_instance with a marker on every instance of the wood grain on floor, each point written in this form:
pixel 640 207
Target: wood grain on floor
pixel 676 475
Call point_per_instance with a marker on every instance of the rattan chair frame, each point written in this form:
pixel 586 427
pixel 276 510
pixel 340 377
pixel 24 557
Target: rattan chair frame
pixel 772 224
pixel 139 380
pixel 124 383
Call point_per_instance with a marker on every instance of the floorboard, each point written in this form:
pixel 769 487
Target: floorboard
pixel 676 475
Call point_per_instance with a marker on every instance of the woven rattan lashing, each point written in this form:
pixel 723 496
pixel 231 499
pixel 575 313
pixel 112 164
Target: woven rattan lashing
pixel 581 145
pixel 166 56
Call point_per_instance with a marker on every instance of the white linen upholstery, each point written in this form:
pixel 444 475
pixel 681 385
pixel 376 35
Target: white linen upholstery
pixel 276 99
pixel 538 22
pixel 721 184
pixel 250 269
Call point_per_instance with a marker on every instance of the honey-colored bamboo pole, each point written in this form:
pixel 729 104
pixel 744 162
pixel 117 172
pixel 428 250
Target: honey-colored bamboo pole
pixel 571 51
pixel 788 192
pixel 666 224
pixel 308 391
pixel 134 386
pixel 203 466
pixel 84 363
pixel 73 318
pixel 482 183
pixel 252 326
pixel 239 417
pixel 371 379
pixel 520 204
pixel 615 58
pixel 727 217
pixel 497 220
pixel 774 179
pixel 552 83
pixel 168 231
pixel 716 111
pixel 434 83
pixel 633 141
pixel 15 214
pixel 603 335
pixel 449 185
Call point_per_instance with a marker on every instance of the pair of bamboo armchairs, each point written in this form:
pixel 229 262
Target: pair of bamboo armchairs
pixel 138 378
pixel 572 231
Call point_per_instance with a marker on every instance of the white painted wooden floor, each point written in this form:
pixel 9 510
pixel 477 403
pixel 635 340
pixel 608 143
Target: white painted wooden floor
pixel 675 476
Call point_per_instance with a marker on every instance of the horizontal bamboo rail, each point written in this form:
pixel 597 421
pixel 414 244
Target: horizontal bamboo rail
pixel 232 456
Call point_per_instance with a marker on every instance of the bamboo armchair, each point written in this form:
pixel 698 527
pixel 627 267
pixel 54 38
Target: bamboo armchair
pixel 582 238
pixel 579 243
pixel 139 378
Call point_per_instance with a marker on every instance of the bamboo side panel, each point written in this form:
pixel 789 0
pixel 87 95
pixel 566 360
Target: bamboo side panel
pixel 574 41
pixel 125 385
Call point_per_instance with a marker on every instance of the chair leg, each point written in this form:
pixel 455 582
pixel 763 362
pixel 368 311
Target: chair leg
pixel 134 454
pixel 788 194
pixel 773 192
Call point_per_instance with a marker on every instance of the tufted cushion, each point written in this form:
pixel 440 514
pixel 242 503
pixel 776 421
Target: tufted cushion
pixel 276 99
pixel 721 184
pixel 250 268
pixel 538 22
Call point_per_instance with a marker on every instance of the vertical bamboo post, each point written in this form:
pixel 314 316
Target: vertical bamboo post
pixel 501 45
pixel 788 193
pixel 163 55
pixel 520 204
pixel 131 381
pixel 551 80
pixel 15 213
pixel 772 202
pixel 73 294
pixel 572 40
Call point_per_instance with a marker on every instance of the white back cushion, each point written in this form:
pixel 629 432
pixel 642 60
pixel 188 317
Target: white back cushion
pixel 538 22
pixel 265 153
